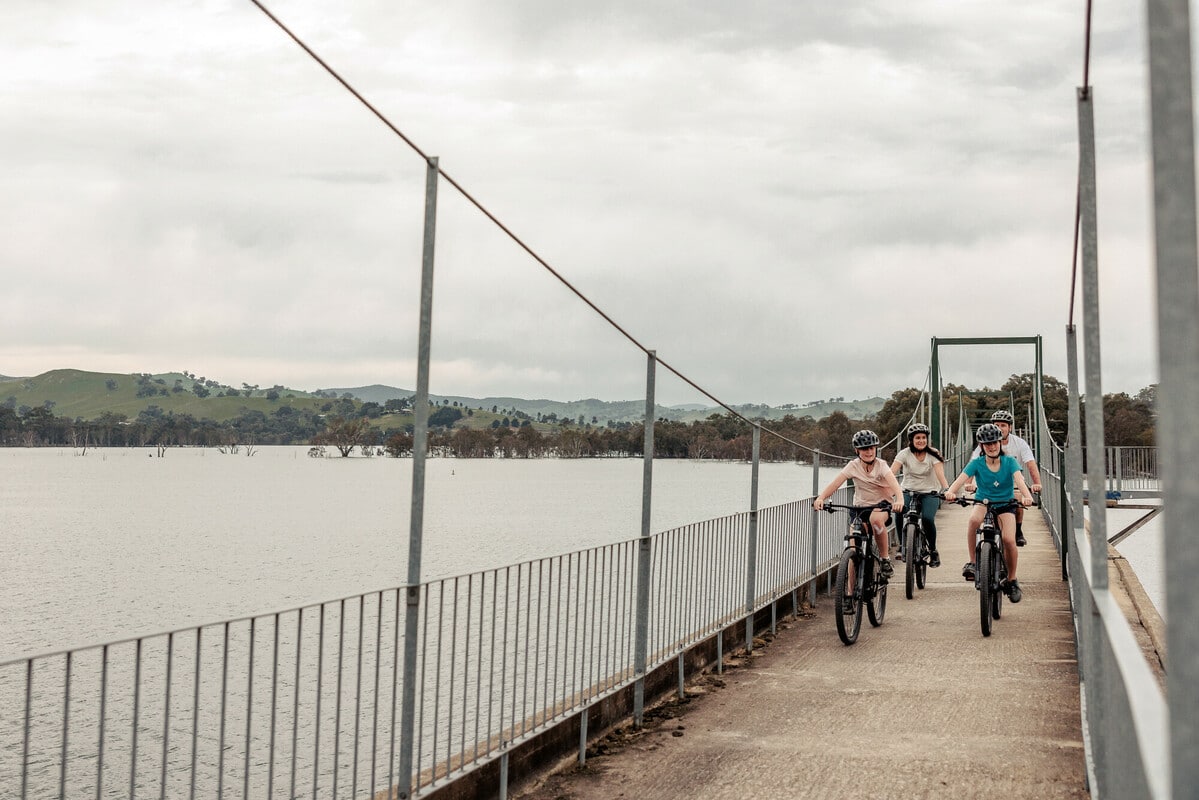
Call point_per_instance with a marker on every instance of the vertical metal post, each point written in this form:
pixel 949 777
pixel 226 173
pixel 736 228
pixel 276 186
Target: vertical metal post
pixel 815 527
pixel 644 549
pixel 1096 474
pixel 751 570
pixel 1172 119
pixel 420 437
pixel 1038 401
pixel 934 397
pixel 1096 671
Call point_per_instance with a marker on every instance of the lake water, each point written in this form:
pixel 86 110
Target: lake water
pixel 120 542
pixel 1144 551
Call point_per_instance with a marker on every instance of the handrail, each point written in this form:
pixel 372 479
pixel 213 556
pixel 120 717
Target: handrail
pixel 504 654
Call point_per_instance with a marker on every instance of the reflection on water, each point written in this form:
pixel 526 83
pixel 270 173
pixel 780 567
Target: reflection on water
pixel 119 542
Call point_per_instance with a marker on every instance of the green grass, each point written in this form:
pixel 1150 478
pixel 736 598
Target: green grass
pixel 76 393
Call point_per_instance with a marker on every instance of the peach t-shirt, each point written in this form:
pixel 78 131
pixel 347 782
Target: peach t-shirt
pixel 869 487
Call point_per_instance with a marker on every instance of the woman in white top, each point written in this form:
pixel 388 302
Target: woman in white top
pixel 923 470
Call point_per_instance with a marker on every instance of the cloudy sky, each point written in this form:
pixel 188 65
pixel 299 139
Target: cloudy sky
pixel 786 200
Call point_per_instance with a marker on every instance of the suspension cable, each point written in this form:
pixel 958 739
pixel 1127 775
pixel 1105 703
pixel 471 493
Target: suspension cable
pixel 512 235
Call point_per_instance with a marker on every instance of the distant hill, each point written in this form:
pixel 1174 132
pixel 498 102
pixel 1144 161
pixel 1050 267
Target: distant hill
pixel 616 411
pixel 76 394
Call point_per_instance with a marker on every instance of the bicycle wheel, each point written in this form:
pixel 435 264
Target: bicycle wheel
pixel 876 608
pixel 985 566
pixel 848 624
pixel 922 561
pixel 911 545
pixel 1000 577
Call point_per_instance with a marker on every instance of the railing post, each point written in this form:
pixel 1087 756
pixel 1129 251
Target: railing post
pixel 1096 472
pixel 815 526
pixel 751 569
pixel 420 437
pixel 1172 117
pixel 644 549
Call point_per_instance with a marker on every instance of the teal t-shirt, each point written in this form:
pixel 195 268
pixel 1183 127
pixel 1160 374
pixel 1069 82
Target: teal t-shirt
pixel 997 487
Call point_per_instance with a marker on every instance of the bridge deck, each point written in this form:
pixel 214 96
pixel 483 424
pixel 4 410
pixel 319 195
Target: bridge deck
pixel 923 706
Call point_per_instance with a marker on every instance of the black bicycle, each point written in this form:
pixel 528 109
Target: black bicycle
pixel 859 575
pixel 990 567
pixel 917 553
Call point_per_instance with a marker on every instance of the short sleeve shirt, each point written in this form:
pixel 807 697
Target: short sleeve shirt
pixel 997 487
pixel 1016 447
pixel 869 487
pixel 918 476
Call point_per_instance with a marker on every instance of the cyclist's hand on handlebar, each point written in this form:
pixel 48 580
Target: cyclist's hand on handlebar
pixel 950 496
pixel 818 504
pixel 1026 501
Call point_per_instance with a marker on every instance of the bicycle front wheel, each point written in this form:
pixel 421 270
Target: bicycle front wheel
pixel 997 592
pixel 911 547
pixel 922 561
pixel 985 567
pixel 877 607
pixel 848 601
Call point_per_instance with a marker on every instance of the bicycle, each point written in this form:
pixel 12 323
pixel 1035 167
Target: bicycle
pixel 917 553
pixel 990 567
pixel 865 587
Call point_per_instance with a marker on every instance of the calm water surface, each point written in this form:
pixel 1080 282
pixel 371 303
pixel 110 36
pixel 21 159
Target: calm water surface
pixel 119 542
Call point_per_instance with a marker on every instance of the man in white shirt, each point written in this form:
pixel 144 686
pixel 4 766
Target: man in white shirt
pixel 1018 449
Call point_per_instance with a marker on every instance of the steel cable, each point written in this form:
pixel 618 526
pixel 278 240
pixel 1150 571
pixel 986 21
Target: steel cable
pixel 516 239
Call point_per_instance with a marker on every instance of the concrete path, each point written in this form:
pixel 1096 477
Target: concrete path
pixel 920 707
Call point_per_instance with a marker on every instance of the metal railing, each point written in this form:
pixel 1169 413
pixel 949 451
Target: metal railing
pixel 1129 471
pixel 304 702
pixel 1124 711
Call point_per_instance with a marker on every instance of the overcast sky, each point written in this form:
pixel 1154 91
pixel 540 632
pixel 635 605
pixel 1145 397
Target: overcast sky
pixel 787 200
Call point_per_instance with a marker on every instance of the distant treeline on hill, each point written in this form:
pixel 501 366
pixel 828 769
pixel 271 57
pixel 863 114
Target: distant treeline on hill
pixel 278 416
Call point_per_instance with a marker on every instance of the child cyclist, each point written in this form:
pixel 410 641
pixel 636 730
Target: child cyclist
pixel 997 476
pixel 923 471
pixel 873 483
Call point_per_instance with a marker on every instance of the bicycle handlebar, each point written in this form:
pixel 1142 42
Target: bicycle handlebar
pixel 885 505
pixel 966 501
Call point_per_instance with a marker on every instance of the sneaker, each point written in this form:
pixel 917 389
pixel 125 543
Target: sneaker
pixel 888 569
pixel 1020 542
pixel 934 560
pixel 1012 590
pixel 899 557
pixel 847 608
pixel 968 571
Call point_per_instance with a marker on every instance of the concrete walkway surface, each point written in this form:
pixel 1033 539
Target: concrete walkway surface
pixel 923 706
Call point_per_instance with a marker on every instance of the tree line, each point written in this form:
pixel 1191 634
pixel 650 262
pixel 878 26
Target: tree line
pixel 347 425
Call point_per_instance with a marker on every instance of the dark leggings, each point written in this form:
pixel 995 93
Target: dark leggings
pixel 928 511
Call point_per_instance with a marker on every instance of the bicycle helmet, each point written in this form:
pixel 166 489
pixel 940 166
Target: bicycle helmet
pixel 988 433
pixel 863 439
pixel 1003 416
pixel 915 428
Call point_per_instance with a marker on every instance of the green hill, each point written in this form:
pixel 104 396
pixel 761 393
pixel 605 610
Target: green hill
pixel 603 411
pixel 76 394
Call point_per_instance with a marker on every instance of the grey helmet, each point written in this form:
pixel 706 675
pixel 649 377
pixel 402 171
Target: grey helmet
pixel 915 428
pixel 988 433
pixel 1003 416
pixel 863 439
